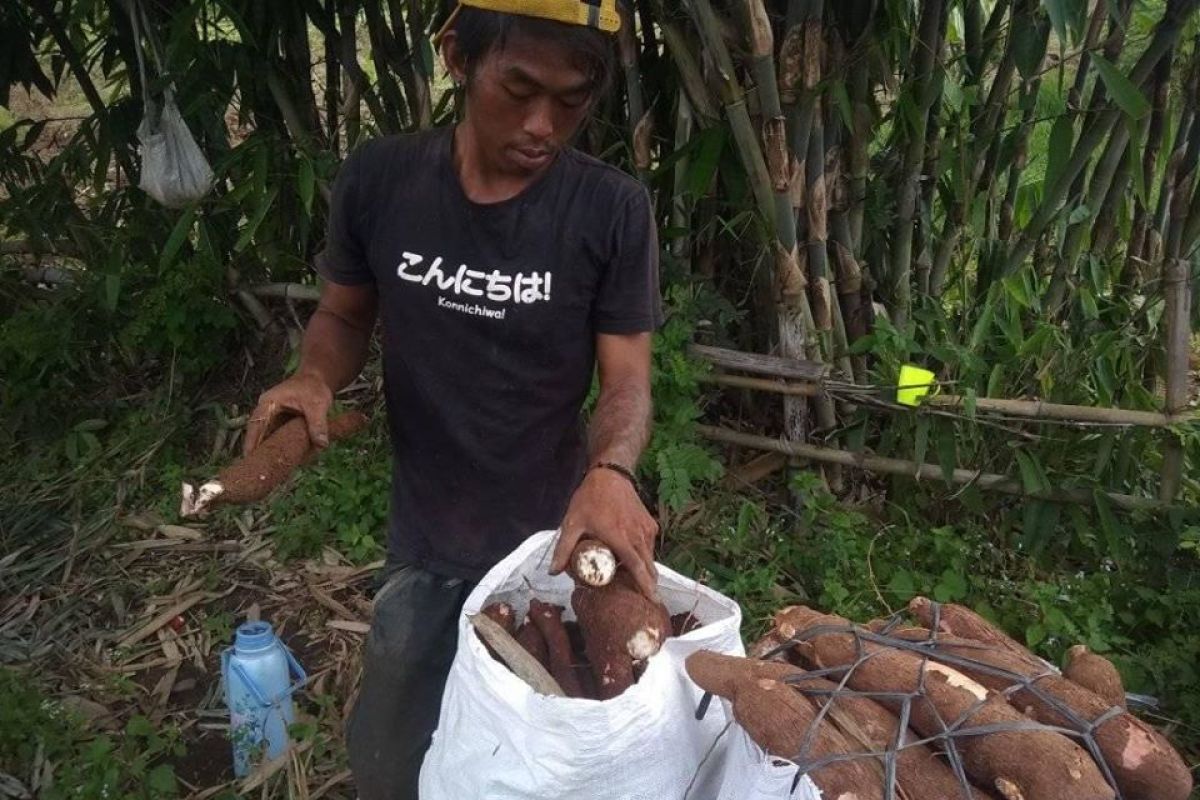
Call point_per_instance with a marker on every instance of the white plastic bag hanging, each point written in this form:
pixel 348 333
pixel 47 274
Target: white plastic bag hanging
pixel 174 170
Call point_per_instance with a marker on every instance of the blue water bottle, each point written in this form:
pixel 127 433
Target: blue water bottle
pixel 258 691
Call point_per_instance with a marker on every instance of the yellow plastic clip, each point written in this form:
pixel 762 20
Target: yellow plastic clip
pixel 915 383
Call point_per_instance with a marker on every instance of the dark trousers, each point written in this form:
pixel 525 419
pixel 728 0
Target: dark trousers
pixel 405 662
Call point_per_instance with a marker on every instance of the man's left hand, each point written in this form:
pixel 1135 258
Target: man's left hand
pixel 607 508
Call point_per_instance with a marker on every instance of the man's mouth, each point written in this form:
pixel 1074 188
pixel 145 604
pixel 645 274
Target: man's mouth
pixel 532 157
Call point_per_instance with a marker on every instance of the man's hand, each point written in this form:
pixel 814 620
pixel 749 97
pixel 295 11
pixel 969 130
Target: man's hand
pixel 606 508
pixel 304 393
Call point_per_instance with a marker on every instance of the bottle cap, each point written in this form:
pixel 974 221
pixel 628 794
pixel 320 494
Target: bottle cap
pixel 255 635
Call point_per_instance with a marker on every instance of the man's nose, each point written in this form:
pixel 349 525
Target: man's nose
pixel 539 124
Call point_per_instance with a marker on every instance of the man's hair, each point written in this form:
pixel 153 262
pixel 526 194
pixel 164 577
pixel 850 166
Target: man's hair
pixel 481 31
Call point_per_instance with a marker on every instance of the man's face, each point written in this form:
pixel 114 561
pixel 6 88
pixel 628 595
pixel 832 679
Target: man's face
pixel 525 101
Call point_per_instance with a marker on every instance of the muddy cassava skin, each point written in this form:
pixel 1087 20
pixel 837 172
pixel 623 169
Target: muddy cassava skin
pixel 683 623
pixel 529 637
pixel 548 619
pixel 620 625
pixel 778 718
pixel 1018 764
pixel 504 616
pixel 961 621
pixel 253 477
pixel 921 772
pixel 1144 764
pixel 1096 673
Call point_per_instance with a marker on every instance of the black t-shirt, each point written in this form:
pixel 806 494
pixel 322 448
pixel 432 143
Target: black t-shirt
pixel 489 316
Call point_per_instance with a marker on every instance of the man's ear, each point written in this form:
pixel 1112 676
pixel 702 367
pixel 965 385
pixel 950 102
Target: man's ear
pixel 452 56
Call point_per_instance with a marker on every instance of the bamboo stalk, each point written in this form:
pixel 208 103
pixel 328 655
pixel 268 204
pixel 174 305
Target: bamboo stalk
pixel 858 152
pixel 1102 177
pixel 1165 33
pixel 681 206
pixel 423 78
pixel 734 99
pixel 1155 132
pixel 1177 315
pixel 689 71
pixel 333 77
pixel 1020 150
pixel 925 50
pixel 286 291
pixel 382 54
pixel 976 165
pixel 75 62
pixel 637 116
pixel 1029 409
pixel 895 466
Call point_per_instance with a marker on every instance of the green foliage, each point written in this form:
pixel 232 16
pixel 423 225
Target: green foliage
pixel 129 766
pixel 676 458
pixel 340 500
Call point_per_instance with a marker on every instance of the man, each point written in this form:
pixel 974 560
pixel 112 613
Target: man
pixel 505 266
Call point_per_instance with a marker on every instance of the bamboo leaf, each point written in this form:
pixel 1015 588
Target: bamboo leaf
pixel 1116 535
pixel 178 236
pixel 1121 89
pixel 1067 16
pixel 1029 34
pixel 922 439
pixel 252 226
pixel 842 98
pixel 947 450
pixel 305 181
pixel 1138 134
pixel 1032 477
pixel 1087 302
pixel 112 290
pixel 701 168
pixel 995 381
pixel 1058 152
pixel 1078 214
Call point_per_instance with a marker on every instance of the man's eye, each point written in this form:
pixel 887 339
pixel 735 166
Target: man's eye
pixel 518 94
pixel 573 100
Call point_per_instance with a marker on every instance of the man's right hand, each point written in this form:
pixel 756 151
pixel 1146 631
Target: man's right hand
pixel 305 394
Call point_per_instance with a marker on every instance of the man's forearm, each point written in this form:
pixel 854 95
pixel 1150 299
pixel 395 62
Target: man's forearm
pixel 334 349
pixel 620 427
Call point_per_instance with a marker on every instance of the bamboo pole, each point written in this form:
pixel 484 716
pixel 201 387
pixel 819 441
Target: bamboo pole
pixel 894 466
pixel 638 119
pixel 925 49
pixel 681 206
pixel 1177 290
pixel 1153 143
pixel 734 99
pixel 1029 409
pixel 1165 34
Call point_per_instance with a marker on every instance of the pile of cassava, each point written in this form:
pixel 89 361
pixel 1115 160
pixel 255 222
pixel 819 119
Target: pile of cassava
pixel 947 709
pixel 603 651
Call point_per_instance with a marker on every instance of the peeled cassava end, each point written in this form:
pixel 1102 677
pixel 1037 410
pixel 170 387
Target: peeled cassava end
pixel 253 477
pixel 593 563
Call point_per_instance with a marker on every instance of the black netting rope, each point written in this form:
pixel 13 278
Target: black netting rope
pixel 1077 727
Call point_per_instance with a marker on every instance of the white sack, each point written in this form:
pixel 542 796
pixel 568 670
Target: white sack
pixel 498 739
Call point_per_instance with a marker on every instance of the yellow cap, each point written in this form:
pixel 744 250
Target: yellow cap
pixel 600 14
